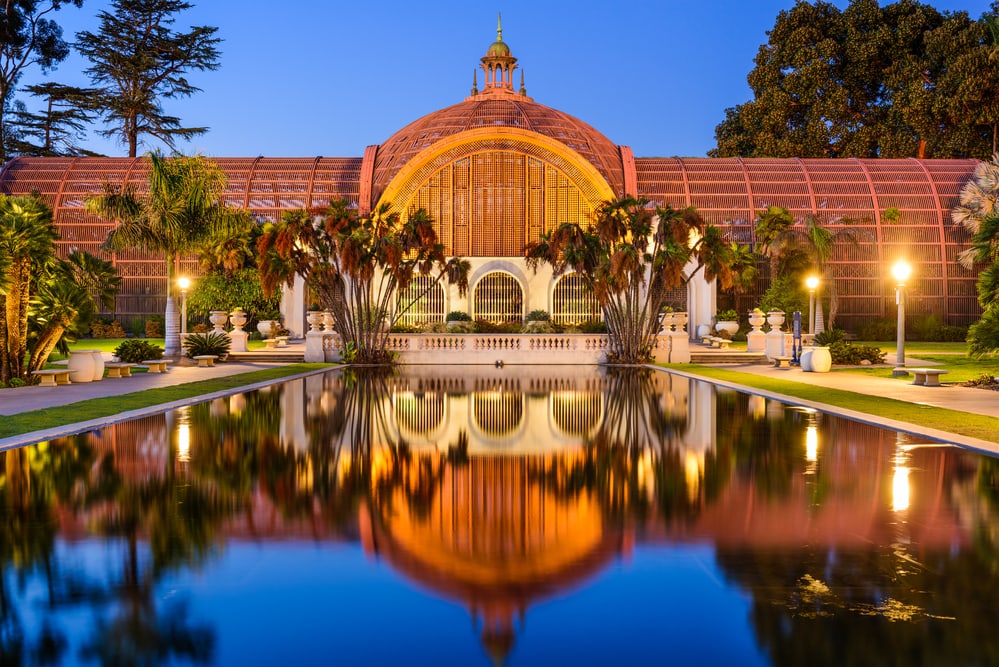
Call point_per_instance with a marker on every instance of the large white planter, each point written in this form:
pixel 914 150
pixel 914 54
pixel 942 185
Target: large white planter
pixel 730 326
pixel 821 359
pixel 81 366
pixel 268 328
pixel 806 359
pixel 98 365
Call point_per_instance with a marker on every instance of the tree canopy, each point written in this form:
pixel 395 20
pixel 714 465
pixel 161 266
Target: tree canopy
pixel 28 37
pixel 140 61
pixel 903 80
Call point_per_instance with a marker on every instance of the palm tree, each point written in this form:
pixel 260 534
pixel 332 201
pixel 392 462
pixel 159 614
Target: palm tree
pixel 27 248
pixel 182 212
pixel 630 257
pixel 795 248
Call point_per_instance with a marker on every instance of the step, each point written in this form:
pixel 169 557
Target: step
pixel 267 356
pixel 726 357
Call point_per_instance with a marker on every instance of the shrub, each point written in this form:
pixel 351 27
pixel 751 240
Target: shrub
pixel 932 328
pixel 212 342
pixel 878 330
pixel 829 337
pixel 13 383
pixel 785 294
pixel 105 328
pixel 846 354
pixel 485 326
pixel 728 315
pixel 593 327
pixel 983 335
pixel 398 327
pixel 538 327
pixel 136 350
pixel 458 316
pixel 537 316
pixel 154 327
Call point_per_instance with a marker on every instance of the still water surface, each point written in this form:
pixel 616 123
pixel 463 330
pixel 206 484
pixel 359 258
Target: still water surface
pixel 518 516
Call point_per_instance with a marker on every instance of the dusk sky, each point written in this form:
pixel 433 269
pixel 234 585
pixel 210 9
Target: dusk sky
pixel 327 77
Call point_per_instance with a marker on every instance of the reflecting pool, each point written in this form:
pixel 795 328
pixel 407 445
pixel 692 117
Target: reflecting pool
pixel 480 516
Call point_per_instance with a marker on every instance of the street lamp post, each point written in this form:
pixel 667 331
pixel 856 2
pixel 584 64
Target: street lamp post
pixel 901 272
pixel 183 283
pixel 811 282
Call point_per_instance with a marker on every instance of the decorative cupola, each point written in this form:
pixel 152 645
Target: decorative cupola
pixel 498 65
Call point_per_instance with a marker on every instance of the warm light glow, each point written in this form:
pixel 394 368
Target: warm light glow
pixel 812 282
pixel 901 271
pixel 694 468
pixel 184 443
pixel 812 444
pixel 900 489
pixel 183 283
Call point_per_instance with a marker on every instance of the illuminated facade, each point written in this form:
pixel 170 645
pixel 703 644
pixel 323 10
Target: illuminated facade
pixel 497 169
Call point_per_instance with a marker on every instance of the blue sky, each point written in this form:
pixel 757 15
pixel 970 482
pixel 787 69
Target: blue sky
pixel 327 77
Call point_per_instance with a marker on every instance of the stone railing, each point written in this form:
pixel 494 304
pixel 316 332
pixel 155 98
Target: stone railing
pixel 554 349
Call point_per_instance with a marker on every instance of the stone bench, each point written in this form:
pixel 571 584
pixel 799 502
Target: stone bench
pixel 52 377
pixel 119 369
pixel 782 362
pixel 277 341
pixel 156 365
pixel 719 342
pixel 205 360
pixel 928 377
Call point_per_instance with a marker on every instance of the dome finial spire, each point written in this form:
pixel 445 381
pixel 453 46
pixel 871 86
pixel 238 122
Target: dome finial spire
pixel 499 26
pixel 475 82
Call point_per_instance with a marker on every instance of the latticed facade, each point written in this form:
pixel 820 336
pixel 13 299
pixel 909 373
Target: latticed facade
pixel 497 169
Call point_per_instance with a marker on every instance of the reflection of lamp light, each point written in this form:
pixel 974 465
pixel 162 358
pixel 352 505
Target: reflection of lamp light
pixel 183 283
pixel 184 434
pixel 812 444
pixel 900 489
pixel 901 272
pixel 812 282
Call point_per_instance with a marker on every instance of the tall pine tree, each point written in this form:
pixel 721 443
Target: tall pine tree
pixel 57 129
pixel 139 61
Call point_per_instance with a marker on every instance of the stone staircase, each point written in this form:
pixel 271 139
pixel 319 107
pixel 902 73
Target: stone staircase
pixel 710 356
pixel 290 356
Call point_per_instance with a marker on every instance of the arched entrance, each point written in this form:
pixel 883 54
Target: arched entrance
pixel 499 298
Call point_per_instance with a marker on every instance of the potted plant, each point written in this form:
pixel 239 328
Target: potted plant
pixel 459 321
pixel 538 321
pixel 727 320
pixel 268 323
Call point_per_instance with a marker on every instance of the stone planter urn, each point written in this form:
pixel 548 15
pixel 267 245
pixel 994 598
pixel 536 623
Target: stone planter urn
pixel 328 321
pixel 775 318
pixel 218 318
pixel 315 320
pixel 731 326
pixel 667 322
pixel 680 321
pixel 756 319
pixel 268 328
pixel 238 320
pixel 806 359
pixel 82 366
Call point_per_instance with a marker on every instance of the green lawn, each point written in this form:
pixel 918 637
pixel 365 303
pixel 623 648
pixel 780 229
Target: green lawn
pixel 952 421
pixel 109 344
pixel 97 408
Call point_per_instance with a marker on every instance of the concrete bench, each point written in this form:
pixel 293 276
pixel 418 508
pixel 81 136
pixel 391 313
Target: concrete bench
pixel 719 342
pixel 205 360
pixel 782 362
pixel 282 341
pixel 928 377
pixel 119 369
pixel 52 377
pixel 156 365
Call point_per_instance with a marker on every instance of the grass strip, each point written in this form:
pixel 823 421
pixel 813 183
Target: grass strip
pixel 967 424
pixel 97 408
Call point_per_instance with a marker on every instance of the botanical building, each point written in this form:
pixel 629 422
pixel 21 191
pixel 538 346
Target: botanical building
pixel 498 168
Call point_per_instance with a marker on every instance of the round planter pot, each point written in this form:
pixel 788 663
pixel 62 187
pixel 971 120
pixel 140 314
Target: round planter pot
pixel 806 359
pixel 98 365
pixel 727 325
pixel 821 359
pixel 81 366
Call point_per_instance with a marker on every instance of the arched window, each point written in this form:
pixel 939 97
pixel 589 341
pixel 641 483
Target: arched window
pixel 498 298
pixel 420 305
pixel 573 302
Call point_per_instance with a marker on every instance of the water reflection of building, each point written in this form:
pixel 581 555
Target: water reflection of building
pixel 498 534
pixel 497 527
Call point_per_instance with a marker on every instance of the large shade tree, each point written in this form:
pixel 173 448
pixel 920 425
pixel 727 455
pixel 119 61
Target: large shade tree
pixel 139 61
pixel 630 256
pixel 28 37
pixel 902 80
pixel 355 266
pixel 181 213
